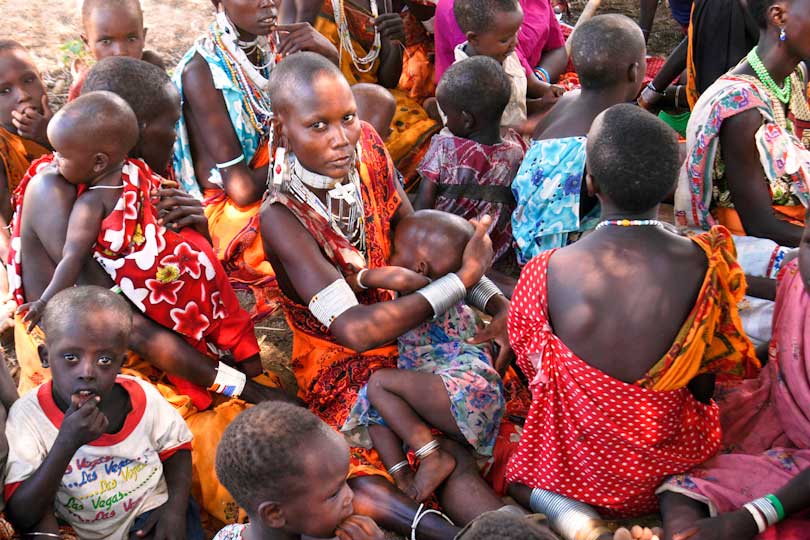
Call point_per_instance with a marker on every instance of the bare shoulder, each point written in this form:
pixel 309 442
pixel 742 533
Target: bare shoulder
pixel 556 117
pixel 197 79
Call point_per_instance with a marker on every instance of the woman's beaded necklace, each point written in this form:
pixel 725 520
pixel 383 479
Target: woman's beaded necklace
pixel 362 64
pixel 252 80
pixel 630 223
pixel 782 94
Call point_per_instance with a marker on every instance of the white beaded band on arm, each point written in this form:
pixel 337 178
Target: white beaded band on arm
pixel 332 301
pixel 480 295
pixel 238 159
pixel 443 293
pixel 229 381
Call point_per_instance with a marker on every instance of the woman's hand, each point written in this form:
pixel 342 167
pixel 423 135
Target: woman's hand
pixel 477 257
pixel 297 37
pixel 177 209
pixel 390 27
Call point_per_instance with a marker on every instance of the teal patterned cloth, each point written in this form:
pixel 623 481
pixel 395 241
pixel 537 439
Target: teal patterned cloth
pixel 474 387
pixel 547 190
pixel 248 137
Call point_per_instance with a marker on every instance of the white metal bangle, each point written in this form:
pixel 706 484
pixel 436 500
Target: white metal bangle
pixel 398 467
pixel 427 450
pixel 761 525
pixel 332 301
pixel 239 159
pixel 480 295
pixel 229 381
pixel 359 278
pixel 766 507
pixel 443 293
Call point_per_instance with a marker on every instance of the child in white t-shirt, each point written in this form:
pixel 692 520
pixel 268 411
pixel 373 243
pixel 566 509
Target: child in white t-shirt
pixel 103 452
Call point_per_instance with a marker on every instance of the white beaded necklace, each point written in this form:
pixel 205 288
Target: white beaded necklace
pixel 344 209
pixel 366 63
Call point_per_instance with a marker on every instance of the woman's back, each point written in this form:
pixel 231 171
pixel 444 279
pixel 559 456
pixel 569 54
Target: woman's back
pixel 619 297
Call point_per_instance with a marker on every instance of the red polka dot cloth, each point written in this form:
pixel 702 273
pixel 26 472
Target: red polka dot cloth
pixel 589 436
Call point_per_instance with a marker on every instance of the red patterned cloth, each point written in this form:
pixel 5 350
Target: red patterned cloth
pixel 589 436
pixel 473 180
pixel 173 278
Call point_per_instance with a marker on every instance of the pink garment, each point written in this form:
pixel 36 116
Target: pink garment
pixel 540 32
pixel 766 422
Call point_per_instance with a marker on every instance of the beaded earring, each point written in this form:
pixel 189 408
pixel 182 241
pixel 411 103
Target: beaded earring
pixel 782 34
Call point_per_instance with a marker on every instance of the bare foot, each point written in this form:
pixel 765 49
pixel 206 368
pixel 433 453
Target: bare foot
pixel 403 478
pixel 433 470
pixel 639 533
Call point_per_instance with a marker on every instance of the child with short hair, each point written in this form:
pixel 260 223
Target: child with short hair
pixel 469 167
pixel 440 380
pixel 24 117
pixel 492 27
pixel 174 278
pixel 104 451
pixel 505 525
pixel 553 205
pixel 288 470
pixel 112 28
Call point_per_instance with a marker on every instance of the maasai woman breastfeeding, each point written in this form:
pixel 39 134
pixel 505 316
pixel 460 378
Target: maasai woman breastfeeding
pixel 226 110
pixel 336 198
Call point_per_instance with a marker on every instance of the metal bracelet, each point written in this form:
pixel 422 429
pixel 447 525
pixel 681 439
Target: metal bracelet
pixel 758 519
pixel 359 277
pixel 480 295
pixel 238 159
pixel 572 519
pixel 443 293
pixel 427 450
pixel 398 467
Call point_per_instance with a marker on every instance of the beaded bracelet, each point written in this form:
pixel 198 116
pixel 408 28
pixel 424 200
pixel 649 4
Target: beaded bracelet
pixel 777 504
pixel 542 74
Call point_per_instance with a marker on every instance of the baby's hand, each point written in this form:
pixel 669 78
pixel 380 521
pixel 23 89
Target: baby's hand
pixel 33 125
pixel 393 278
pixel 359 528
pixel 33 313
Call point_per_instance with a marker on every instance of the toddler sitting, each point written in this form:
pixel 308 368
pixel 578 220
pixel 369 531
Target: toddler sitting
pixel 441 382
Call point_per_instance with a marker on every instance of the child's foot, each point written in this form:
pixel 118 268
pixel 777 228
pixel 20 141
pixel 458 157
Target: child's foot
pixel 404 481
pixel 433 470
pixel 638 533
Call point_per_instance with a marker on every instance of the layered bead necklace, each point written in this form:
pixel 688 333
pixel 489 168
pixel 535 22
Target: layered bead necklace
pixel 344 209
pixel 362 64
pixel 251 79
pixel 783 93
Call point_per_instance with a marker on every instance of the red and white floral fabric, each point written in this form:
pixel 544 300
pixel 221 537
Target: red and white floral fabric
pixel 174 278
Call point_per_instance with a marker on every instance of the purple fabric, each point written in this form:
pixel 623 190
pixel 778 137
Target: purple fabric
pixel 540 32
pixel 766 421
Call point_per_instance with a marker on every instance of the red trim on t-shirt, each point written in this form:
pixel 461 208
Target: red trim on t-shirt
pixel 137 398
pixel 166 454
pixel 10 489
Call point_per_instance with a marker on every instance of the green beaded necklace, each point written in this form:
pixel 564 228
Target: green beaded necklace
pixel 782 94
